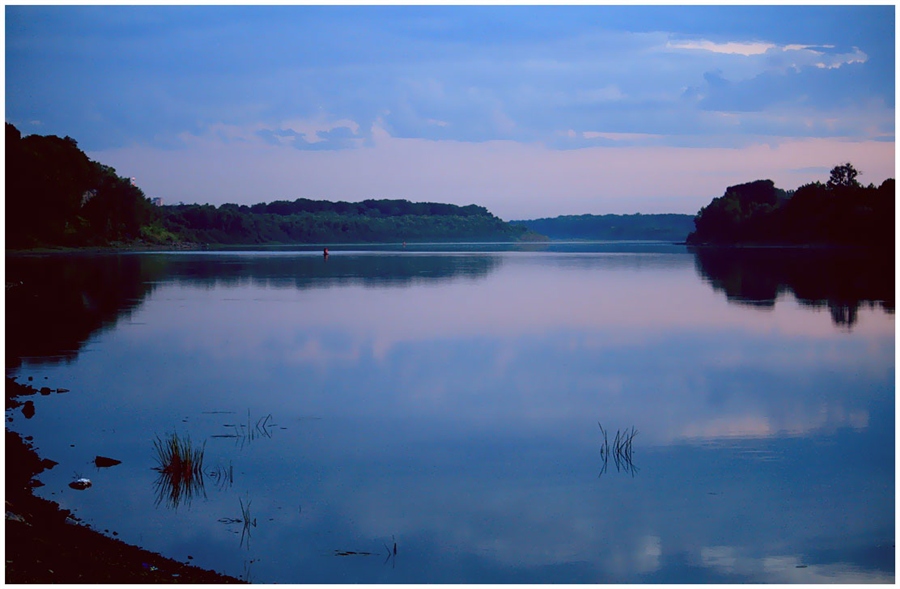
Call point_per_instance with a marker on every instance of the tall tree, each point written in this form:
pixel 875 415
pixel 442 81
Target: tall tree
pixel 843 175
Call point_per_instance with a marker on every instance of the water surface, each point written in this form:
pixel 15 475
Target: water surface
pixel 446 399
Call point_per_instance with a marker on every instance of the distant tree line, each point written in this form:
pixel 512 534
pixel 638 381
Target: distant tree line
pixel 57 196
pixel 662 227
pixel 366 208
pixel 318 221
pixel 839 212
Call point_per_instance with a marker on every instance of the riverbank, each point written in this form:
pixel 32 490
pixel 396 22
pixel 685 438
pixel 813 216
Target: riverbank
pixel 122 246
pixel 47 544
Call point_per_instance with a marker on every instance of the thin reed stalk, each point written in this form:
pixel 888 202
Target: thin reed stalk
pixel 621 450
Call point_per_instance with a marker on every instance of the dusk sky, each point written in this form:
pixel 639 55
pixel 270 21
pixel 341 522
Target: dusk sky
pixel 530 111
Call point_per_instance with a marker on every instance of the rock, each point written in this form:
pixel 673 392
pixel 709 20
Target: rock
pixel 15 518
pixel 28 409
pixel 104 462
pixel 81 484
pixel 45 390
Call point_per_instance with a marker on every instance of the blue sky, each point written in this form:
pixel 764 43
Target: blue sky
pixel 531 111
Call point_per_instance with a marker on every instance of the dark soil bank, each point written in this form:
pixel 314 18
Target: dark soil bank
pixel 46 544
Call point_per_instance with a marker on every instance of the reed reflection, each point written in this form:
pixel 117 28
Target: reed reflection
pixel 246 521
pixel 180 466
pixel 621 450
pixel 245 434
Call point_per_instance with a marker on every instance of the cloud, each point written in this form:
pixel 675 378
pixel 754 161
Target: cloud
pixel 791 55
pixel 782 56
pixel 735 48
pixel 519 104
pixel 513 180
pixel 506 73
pixel 786 568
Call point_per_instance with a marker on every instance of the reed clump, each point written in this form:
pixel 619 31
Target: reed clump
pixel 178 456
pixel 180 466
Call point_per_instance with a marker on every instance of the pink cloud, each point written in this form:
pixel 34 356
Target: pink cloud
pixel 513 180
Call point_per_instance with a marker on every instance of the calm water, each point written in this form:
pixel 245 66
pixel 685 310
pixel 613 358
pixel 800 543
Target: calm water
pixel 447 399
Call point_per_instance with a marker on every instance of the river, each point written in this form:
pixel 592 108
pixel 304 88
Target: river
pixel 481 413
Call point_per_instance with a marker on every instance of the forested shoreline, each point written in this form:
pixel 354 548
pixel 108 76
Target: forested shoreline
pixel 318 221
pixel 655 227
pixel 57 197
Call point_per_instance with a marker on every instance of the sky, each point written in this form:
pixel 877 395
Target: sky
pixel 531 111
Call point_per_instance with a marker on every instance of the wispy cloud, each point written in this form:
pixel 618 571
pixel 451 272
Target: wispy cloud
pixel 732 48
pixel 324 79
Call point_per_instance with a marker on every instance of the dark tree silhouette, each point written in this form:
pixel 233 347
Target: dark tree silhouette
pixel 843 175
pixel 57 196
pixel 841 212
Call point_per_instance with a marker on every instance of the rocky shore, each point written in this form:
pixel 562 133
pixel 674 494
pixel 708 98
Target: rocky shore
pixel 47 544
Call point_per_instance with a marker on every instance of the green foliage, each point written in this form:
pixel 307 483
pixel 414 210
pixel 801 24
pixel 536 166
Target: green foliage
pixel 156 233
pixel 56 195
pixel 366 208
pixel 309 221
pixel 841 212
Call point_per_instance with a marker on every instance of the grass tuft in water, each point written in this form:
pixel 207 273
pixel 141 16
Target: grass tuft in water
pixel 180 466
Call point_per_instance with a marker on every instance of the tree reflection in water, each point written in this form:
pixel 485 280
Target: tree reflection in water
pixel 842 280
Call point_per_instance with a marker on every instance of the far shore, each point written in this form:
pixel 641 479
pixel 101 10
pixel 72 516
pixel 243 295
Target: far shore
pixel 137 246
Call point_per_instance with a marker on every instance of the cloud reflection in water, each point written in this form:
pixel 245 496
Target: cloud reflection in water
pixel 460 414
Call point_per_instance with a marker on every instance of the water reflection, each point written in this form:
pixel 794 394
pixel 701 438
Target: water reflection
pixel 55 303
pixel 293 270
pixel 842 280
pixel 245 434
pixel 457 413
pixel 246 522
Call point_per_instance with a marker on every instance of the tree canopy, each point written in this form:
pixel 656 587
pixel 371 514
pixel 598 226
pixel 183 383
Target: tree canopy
pixel 662 227
pixel 321 221
pixel 57 196
pixel 840 212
